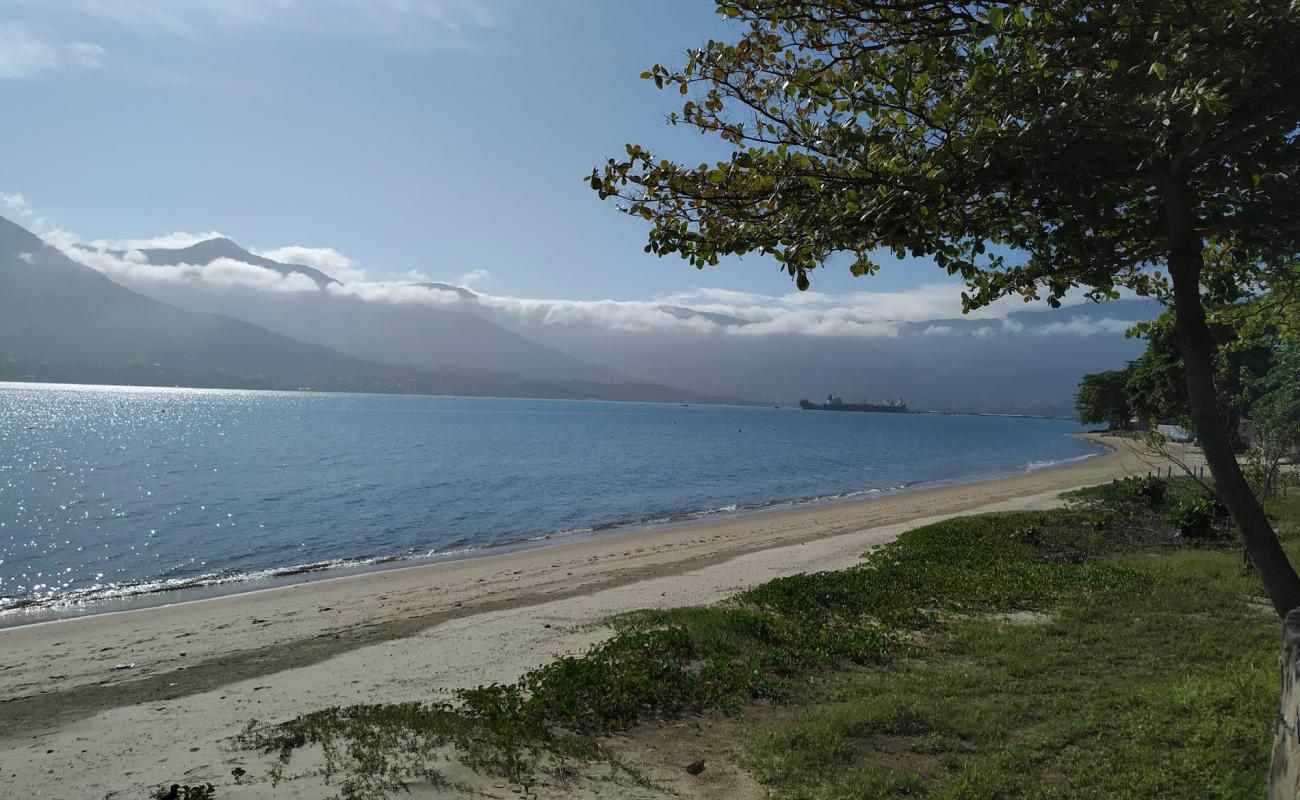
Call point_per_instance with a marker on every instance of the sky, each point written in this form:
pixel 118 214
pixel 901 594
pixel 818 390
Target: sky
pixel 443 137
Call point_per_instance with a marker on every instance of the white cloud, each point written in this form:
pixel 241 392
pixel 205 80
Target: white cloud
pixel 860 314
pixel 325 259
pixel 863 314
pixel 15 206
pixel 27 258
pixel 131 267
pixel 794 323
pixel 394 292
pixel 473 278
pixel 13 202
pixel 122 259
pixel 24 54
pixel 171 241
pixel 626 315
pixel 1085 326
pixel 400 23
pixel 725 296
pixel 228 272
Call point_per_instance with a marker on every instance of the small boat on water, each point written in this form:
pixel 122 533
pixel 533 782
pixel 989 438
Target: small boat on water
pixel 834 403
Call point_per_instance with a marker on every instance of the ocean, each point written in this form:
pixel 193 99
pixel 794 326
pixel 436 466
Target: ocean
pixel 113 497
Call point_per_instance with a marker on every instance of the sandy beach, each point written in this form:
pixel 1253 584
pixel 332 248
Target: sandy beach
pixel 71 726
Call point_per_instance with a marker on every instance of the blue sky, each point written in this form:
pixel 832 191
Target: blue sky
pixel 442 136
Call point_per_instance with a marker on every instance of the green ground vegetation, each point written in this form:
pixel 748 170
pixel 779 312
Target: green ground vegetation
pixel 1163 688
pixel 1115 648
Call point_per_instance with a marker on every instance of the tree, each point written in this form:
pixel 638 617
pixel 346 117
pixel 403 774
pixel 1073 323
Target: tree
pixel 1103 397
pixel 1275 422
pixel 1030 148
pixel 1156 384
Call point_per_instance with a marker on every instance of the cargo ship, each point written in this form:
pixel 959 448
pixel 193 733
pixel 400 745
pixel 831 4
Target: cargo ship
pixel 834 403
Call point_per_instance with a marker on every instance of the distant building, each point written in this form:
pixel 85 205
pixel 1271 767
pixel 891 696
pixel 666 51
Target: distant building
pixel 1176 433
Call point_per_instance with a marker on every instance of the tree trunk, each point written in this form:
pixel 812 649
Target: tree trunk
pixel 1260 542
pixel 1284 775
pixel 1197 347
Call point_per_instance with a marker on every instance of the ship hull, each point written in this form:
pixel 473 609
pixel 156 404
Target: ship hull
pixel 866 407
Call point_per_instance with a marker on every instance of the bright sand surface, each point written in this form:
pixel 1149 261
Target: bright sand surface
pixel 70 726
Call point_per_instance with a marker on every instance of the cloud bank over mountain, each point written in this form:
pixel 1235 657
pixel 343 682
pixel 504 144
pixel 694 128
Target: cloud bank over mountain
pixel 861 314
pixel 1009 356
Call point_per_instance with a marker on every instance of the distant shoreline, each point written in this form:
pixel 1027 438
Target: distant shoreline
pixel 722 402
pixel 688 397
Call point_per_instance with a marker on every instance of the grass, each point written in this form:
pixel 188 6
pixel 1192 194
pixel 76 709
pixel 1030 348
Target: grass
pixel 1145 673
pixel 1167 690
pixel 1164 692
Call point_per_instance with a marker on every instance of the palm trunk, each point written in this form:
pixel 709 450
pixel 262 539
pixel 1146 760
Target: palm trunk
pixel 1197 347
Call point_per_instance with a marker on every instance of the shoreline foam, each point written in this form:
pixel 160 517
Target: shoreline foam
pixel 128 596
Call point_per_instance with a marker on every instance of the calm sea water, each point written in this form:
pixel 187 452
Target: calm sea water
pixel 110 493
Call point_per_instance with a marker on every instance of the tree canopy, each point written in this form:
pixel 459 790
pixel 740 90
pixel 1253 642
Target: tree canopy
pixel 1156 385
pixel 1275 422
pixel 1102 397
pixel 1027 147
pixel 1253 326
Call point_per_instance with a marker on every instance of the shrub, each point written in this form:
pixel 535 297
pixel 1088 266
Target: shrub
pixel 1150 491
pixel 1198 518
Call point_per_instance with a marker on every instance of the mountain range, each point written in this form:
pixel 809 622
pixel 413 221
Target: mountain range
pixel 216 314
pixel 62 321
pixel 1030 362
pixel 412 334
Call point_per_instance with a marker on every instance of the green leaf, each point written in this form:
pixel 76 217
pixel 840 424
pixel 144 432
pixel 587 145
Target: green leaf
pixel 1034 130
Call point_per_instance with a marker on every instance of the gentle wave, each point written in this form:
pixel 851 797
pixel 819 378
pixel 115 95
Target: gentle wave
pixel 1034 466
pixel 123 591
pixel 81 598
pixel 732 509
pixel 145 498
